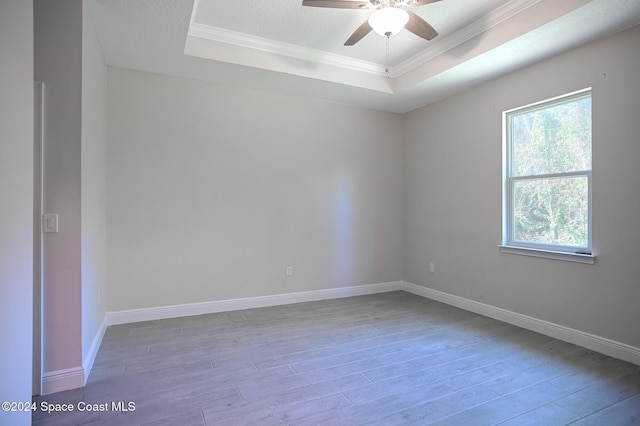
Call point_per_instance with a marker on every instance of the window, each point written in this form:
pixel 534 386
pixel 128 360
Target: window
pixel 547 178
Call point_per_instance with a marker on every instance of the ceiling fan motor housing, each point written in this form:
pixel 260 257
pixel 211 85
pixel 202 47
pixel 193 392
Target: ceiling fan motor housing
pixel 389 17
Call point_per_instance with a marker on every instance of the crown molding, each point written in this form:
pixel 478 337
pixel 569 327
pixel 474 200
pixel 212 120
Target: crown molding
pixel 238 39
pixel 442 45
pixel 466 33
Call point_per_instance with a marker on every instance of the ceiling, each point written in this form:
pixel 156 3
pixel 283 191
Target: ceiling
pixel 279 45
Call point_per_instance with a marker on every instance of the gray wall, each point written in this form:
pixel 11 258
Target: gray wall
pixel 213 190
pixel 93 188
pixel 16 195
pixel 58 63
pixel 453 195
pixel 68 59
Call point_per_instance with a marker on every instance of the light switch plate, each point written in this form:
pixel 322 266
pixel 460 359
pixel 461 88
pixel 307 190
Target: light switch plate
pixel 49 222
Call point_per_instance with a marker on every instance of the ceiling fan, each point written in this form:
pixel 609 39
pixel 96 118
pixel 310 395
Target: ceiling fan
pixel 389 17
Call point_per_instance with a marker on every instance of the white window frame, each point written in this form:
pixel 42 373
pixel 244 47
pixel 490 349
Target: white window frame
pixel 552 251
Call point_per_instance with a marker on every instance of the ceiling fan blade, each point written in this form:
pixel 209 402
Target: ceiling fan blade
pixel 420 27
pixel 362 31
pixel 422 2
pixel 337 4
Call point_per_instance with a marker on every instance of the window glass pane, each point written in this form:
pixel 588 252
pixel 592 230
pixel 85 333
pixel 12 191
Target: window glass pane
pixel 552 139
pixel 551 211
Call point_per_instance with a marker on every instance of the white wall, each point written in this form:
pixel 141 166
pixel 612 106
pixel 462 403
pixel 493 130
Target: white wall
pixel 16 205
pixel 453 195
pixel 58 63
pixel 213 190
pixel 93 189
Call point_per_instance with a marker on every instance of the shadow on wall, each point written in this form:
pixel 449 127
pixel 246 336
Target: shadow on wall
pixel 342 229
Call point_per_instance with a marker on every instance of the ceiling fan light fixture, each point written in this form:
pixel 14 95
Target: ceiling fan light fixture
pixel 388 21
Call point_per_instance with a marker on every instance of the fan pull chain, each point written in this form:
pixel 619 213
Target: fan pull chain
pixel 386 69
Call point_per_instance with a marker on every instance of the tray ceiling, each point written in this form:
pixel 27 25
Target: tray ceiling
pixel 283 46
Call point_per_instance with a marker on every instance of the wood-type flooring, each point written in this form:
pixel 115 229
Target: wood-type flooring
pixel 384 359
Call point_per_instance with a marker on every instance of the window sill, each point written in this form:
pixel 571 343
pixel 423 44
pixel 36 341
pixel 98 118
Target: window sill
pixel 549 254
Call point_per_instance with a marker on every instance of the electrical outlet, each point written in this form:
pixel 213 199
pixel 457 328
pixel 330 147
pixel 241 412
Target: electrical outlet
pixel 289 270
pixel 432 267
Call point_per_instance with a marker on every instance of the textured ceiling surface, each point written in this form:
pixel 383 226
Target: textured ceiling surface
pixel 285 47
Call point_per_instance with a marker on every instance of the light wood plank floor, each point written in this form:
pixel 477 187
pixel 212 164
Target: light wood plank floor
pixel 384 359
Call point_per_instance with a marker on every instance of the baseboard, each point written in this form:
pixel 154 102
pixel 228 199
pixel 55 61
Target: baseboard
pixel 76 377
pixel 87 362
pixel 61 380
pixel 590 341
pixel 174 311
